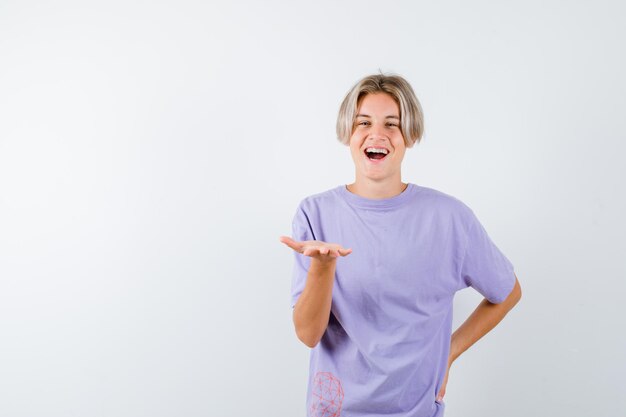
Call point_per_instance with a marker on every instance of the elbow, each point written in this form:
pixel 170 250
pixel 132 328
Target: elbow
pixel 306 337
pixel 515 295
pixel 309 331
pixel 517 291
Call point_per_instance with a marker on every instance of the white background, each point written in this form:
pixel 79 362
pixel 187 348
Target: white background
pixel 151 154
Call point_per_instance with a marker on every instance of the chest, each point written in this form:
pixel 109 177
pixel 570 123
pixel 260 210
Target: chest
pixel 405 263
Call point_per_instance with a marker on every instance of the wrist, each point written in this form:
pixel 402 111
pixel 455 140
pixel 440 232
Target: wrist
pixel 323 265
pixel 455 352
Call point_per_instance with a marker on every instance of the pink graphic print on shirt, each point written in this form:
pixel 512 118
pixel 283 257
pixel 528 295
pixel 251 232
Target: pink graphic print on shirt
pixel 327 395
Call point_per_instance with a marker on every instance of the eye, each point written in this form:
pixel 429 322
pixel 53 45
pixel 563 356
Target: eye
pixel 363 123
pixel 392 124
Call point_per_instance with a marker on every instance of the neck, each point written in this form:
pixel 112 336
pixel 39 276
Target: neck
pixel 377 189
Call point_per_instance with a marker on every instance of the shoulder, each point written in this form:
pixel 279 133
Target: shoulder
pixel 446 207
pixel 321 199
pixel 442 200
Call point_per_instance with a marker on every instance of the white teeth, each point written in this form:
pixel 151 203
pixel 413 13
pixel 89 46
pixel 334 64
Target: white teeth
pixel 377 150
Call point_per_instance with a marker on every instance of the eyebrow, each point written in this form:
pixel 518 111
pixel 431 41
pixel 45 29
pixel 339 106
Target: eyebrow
pixel 367 115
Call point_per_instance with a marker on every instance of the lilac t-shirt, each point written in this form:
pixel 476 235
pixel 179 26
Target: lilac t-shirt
pixel 385 350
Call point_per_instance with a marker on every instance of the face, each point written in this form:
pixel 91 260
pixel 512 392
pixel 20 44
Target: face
pixel 377 125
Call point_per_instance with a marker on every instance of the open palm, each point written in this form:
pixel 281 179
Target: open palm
pixel 317 249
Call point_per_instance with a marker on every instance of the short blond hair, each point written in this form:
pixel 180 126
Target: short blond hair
pixel 411 115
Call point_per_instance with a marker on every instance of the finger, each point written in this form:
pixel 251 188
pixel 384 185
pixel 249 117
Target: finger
pixel 286 239
pixel 289 242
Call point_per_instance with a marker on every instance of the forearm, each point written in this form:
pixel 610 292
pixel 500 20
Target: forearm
pixel 312 310
pixel 486 316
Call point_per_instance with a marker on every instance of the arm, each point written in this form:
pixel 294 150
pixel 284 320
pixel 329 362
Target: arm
pixel 486 316
pixel 312 311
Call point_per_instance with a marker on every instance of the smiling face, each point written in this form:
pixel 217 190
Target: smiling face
pixel 377 125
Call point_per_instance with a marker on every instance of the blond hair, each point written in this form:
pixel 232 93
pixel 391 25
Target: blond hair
pixel 411 115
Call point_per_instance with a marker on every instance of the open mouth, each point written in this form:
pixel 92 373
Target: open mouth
pixel 375 156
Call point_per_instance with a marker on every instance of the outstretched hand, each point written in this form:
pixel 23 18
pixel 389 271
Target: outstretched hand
pixel 322 251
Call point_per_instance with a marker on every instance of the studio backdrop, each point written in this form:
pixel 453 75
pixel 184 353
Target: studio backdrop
pixel 152 153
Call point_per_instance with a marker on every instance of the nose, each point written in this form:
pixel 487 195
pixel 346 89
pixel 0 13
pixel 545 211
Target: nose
pixel 377 135
pixel 377 129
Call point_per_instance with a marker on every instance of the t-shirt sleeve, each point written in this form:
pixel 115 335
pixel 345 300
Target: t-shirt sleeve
pixel 301 230
pixel 484 266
